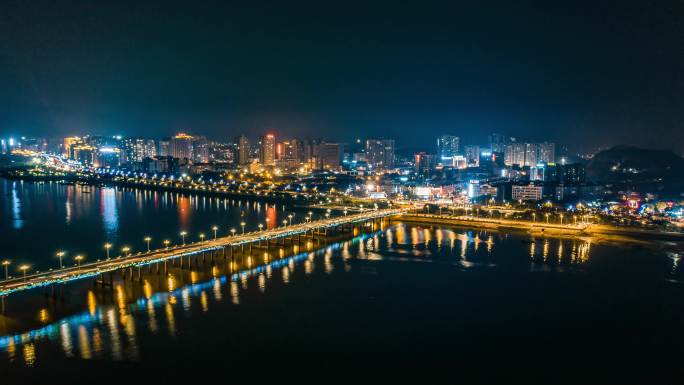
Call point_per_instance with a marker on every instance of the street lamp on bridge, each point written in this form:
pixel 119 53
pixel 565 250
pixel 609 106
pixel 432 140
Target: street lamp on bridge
pixel 6 264
pixel 148 239
pixel 201 235
pixel 126 250
pixel 284 222
pixel 243 226
pixel 183 234
pixel 261 226
pixel 107 246
pixel 166 243
pixel 232 231
pixel 215 229
pixel 23 269
pixel 60 255
pixel 290 218
pixel 78 259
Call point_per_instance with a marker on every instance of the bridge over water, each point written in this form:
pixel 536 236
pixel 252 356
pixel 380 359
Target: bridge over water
pixel 221 246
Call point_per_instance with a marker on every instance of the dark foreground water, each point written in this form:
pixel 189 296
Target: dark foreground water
pixel 473 306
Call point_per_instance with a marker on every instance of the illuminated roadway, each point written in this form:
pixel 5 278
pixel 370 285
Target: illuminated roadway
pixel 97 268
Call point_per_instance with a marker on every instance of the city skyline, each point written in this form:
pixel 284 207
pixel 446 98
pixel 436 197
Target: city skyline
pixel 557 72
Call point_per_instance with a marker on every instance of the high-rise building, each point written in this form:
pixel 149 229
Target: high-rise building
pixel 380 153
pixel 498 142
pixel 547 152
pixel 221 152
pixel 515 154
pixel 326 155
pixel 529 154
pixel 290 153
pixel 181 146
pixel 472 155
pixel 447 146
pixel 137 149
pixel 164 147
pixel 267 148
pixel 423 162
pixel 200 149
pixel 242 149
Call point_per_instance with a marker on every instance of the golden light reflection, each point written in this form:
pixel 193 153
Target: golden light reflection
pixel 193 277
pixel 97 341
pixel 262 282
pixel 92 303
pixel 490 244
pixel 532 248
pixel 83 343
pixel 113 328
pixel 29 354
pixel 152 315
pixel 204 301
pixel 171 283
pixel 217 290
pixel 43 315
pixel 545 250
pixel 170 319
pixel 147 289
pixel 235 293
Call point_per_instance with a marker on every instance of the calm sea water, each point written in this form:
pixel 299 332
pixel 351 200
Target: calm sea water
pixel 478 306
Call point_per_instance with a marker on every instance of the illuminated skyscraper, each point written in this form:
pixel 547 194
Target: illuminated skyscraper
pixel 181 146
pixel 242 149
pixel 447 146
pixel 267 150
pixel 380 153
pixel 200 149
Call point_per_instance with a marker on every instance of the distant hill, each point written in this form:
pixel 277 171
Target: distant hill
pixel 658 171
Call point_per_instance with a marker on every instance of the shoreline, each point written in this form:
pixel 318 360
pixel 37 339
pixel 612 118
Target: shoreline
pixel 598 233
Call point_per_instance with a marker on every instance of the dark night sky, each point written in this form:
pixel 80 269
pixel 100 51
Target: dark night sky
pixel 584 74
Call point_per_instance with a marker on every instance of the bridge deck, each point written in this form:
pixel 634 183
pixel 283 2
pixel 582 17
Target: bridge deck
pixel 93 269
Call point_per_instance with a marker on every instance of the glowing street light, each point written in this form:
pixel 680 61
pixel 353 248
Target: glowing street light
pixel 126 250
pixel 78 259
pixel 107 246
pixel 183 234
pixel 547 218
pixel 201 236
pixel 60 255
pixel 6 263
pixel 148 239
pixel 267 220
pixel 166 243
pixel 534 217
pixel 23 269
pixel 214 229
pixel 243 226
pixel 261 226
pixel 290 218
pixel 284 222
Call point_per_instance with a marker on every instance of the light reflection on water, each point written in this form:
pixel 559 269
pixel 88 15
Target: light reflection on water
pixel 109 329
pixel 81 219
